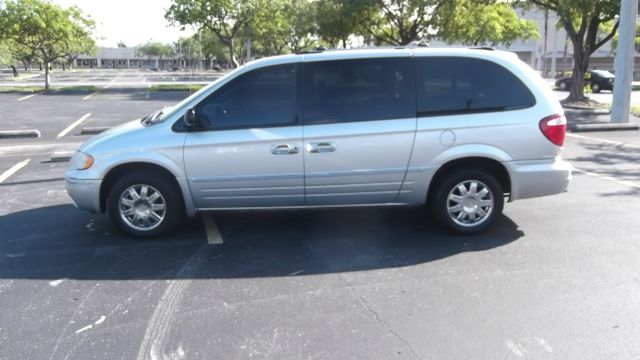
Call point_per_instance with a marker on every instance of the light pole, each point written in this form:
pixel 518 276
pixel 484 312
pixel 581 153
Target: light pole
pixel 624 63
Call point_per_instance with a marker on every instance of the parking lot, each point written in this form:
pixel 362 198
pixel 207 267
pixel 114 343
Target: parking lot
pixel 557 278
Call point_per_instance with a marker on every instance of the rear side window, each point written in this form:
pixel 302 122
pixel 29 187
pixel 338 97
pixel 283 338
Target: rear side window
pixel 451 85
pixel 358 90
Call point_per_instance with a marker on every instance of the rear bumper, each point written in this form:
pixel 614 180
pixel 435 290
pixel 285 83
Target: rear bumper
pixel 85 193
pixel 538 178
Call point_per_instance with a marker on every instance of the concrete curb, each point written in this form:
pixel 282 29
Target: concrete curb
pixel 15 134
pixel 602 127
pixel 94 130
pixel 61 156
pixel 583 111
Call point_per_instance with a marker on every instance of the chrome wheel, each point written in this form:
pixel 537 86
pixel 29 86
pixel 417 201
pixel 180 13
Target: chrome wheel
pixel 470 203
pixel 142 207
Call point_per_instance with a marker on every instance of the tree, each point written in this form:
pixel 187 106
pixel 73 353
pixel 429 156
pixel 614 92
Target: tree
pixel 225 18
pixel 154 50
pixel 212 47
pixel 399 22
pixel 280 25
pixel 6 57
pixel 44 29
pixel 583 21
pixel 189 49
pixel 474 23
pixel 338 20
pixel 121 44
pixel 77 44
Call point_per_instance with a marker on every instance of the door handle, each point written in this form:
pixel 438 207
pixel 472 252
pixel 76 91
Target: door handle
pixel 284 149
pixel 320 147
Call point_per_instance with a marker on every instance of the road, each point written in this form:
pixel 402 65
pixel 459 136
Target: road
pixel 557 278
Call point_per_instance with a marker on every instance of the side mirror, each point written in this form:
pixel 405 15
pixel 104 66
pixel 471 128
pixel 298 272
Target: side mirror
pixel 190 118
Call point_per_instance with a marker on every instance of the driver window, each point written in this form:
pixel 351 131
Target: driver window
pixel 260 98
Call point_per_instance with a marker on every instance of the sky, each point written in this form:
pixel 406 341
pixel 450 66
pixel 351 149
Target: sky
pixel 132 21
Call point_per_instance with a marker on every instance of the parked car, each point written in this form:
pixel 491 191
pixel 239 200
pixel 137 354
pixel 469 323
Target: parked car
pixel 175 68
pixel 597 79
pixel 458 129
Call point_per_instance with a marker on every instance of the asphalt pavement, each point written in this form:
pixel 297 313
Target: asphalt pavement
pixel 557 278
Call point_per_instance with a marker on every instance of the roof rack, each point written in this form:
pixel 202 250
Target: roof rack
pixel 487 48
pixel 416 43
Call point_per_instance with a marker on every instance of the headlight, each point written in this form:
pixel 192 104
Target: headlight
pixel 81 161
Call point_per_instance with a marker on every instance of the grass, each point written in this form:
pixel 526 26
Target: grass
pixel 176 87
pixel 33 89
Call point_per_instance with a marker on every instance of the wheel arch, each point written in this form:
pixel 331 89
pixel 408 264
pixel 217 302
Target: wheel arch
pixel 118 171
pixel 493 166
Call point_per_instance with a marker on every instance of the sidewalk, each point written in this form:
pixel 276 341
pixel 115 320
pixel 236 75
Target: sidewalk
pixel 579 120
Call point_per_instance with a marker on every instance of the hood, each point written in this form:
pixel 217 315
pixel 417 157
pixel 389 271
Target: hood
pixel 117 131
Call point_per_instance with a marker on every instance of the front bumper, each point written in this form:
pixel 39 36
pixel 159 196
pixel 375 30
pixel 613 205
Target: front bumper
pixel 85 193
pixel 538 177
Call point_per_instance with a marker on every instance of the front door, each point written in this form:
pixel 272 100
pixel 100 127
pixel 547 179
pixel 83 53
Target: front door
pixel 248 152
pixel 360 121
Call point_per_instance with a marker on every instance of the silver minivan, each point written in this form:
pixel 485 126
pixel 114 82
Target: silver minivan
pixel 457 129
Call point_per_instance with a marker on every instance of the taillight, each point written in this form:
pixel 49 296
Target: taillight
pixel 554 127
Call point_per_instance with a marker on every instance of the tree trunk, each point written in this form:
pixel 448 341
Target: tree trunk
pixel 64 68
pixel 232 55
pixel 15 71
pixel 580 64
pixel 47 77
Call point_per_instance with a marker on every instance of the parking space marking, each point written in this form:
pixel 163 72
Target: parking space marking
pixel 613 142
pixel 608 178
pixel 72 126
pixel 26 97
pixel 89 96
pixel 147 95
pixel 14 169
pixel 213 233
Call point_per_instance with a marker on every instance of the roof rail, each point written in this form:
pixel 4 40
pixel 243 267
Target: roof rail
pixel 317 49
pixel 418 43
pixel 487 48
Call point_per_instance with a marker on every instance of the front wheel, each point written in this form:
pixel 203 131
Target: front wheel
pixel 144 205
pixel 467 201
pixel 595 88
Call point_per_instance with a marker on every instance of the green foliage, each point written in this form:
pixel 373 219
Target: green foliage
pixel 154 49
pixel 225 18
pixel 45 31
pixel 337 20
pixel 608 27
pixel 473 23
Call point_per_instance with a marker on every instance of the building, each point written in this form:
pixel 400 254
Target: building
pixel 123 58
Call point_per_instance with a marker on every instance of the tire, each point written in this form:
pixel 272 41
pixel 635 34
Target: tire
pixel 136 217
pixel 562 85
pixel 461 222
pixel 595 88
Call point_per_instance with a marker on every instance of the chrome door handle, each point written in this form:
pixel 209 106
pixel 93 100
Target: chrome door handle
pixel 284 149
pixel 320 147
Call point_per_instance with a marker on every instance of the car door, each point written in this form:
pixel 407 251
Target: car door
pixel 247 151
pixel 359 126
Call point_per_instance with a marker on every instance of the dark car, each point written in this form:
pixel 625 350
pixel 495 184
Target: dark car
pixel 596 79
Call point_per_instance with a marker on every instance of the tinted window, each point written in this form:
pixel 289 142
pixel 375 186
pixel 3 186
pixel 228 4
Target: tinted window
pixel 358 90
pixel 261 98
pixel 449 85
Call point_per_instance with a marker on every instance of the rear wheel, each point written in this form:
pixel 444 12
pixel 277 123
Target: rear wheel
pixel 467 201
pixel 562 85
pixel 595 88
pixel 144 205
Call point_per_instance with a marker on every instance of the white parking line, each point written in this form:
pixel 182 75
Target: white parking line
pixel 147 95
pixel 110 83
pixel 213 233
pixel 608 178
pixel 70 127
pixel 620 143
pixel 26 97
pixel 14 169
pixel 89 96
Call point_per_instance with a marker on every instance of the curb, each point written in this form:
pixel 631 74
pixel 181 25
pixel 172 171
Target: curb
pixel 61 156
pixel 586 111
pixel 603 127
pixel 15 134
pixel 94 130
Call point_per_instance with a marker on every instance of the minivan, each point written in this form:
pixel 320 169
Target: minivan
pixel 460 130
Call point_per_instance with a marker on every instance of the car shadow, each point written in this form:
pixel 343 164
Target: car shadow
pixel 62 242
